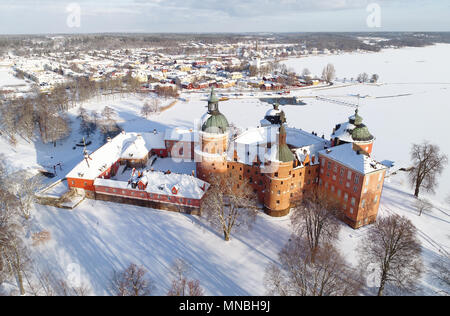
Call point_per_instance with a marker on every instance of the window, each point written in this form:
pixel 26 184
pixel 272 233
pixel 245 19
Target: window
pixel 355 189
pixel 335 168
pixel 332 188
pixel 329 165
pixel 367 180
pixel 346 197
pixel 351 210
pixel 349 175
pixel 342 172
pixel 279 192
pixel 73 182
pixel 323 162
pixel 356 179
pixel 363 203
pixel 353 201
pixel 334 177
pixel 276 174
pixel 375 200
pixel 339 193
pixel 380 177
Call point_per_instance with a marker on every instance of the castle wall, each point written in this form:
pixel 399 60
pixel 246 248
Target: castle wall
pixel 358 195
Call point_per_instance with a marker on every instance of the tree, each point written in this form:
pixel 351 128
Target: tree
pixel 329 73
pixel 313 219
pixel 391 246
pixel 306 73
pixel 375 78
pixel 25 188
pixel 299 275
pixel 181 284
pixel 362 78
pixel 150 107
pixel 131 282
pixel 108 113
pixel 423 205
pixel 441 272
pixel 229 204
pixel 428 164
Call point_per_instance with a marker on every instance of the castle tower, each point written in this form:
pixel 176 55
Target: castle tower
pixel 278 177
pixel 355 132
pixel 211 153
pixel 362 139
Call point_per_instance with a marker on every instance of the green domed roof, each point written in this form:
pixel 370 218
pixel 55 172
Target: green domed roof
pixel 358 119
pixel 361 133
pixel 216 124
pixel 213 97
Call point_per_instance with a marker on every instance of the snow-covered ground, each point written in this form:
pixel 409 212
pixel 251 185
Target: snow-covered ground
pixel 102 236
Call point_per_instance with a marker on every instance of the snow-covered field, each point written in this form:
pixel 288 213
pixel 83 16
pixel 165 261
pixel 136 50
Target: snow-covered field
pixel 100 236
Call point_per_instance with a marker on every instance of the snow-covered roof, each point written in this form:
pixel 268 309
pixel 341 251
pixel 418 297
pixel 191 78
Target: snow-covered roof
pixel 252 144
pixel 347 156
pixel 137 148
pixel 161 183
pixel 119 147
pixel 181 134
pixel 344 132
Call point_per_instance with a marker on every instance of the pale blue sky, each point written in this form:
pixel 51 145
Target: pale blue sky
pixel 50 16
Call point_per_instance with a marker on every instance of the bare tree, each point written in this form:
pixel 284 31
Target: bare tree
pixel 150 107
pixel 24 188
pixel 313 218
pixel 131 282
pixel 229 204
pixel 375 78
pixel 428 164
pixel 299 275
pixel 181 284
pixel 392 247
pixel 362 78
pixel 441 272
pixel 306 73
pixel 423 205
pixel 329 73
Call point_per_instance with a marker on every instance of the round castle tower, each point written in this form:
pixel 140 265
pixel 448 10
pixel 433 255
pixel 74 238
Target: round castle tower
pixel 278 177
pixel 354 132
pixel 211 154
pixel 362 139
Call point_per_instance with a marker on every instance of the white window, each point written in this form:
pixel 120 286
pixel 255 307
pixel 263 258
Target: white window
pixel 353 201
pixel 346 197
pixel 351 210
pixel 349 176
pixel 363 203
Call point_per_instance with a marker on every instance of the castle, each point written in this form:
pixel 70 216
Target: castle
pixel 279 162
